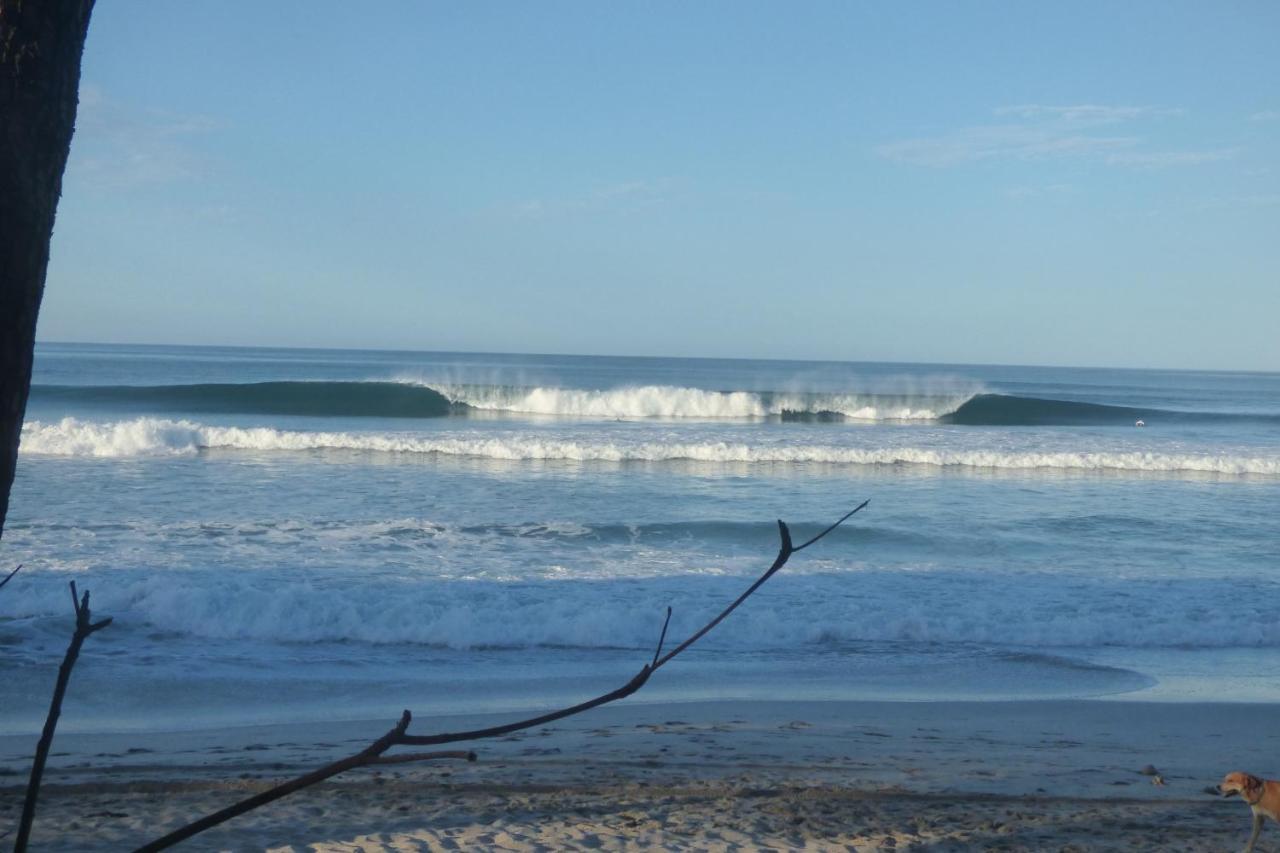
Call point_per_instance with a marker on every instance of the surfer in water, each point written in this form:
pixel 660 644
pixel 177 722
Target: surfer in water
pixel 1140 423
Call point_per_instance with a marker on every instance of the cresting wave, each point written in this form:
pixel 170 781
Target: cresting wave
pixel 1005 410
pixel 667 401
pixel 316 399
pixel 412 399
pixel 157 437
pixel 418 400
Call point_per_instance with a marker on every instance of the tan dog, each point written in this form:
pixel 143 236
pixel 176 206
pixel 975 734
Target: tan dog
pixel 1262 795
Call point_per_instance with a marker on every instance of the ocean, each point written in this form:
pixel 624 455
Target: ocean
pixel 284 534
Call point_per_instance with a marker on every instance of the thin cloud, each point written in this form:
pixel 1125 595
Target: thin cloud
pixel 1028 191
pixel 1166 159
pixel 1085 113
pixel 1266 115
pixel 1001 142
pixel 1033 132
pixel 1240 202
pixel 621 197
pixel 119 146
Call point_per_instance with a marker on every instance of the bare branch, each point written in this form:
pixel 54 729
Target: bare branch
pixel 83 629
pixel 785 551
pixel 398 736
pixel 9 576
pixel 365 756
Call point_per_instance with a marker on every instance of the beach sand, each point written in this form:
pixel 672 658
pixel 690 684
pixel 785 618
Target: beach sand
pixel 1056 775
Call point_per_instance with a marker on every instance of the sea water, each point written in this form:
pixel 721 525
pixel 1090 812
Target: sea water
pixel 310 534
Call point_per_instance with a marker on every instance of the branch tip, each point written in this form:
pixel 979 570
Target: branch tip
pixel 661 638
pixel 841 521
pixel 8 578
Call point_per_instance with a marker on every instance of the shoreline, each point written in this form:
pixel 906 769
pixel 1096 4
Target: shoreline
pixel 784 773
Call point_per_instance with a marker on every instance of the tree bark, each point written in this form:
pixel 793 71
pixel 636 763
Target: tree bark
pixel 41 42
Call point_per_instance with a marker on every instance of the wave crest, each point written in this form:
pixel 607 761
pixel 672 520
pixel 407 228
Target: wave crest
pixel 670 401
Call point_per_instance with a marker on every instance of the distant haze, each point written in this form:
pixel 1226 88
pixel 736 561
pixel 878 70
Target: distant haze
pixel 1078 184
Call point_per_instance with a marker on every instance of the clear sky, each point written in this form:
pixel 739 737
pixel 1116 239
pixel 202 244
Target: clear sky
pixel 1043 183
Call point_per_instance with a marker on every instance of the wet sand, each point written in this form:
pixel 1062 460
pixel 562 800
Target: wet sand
pixel 1060 775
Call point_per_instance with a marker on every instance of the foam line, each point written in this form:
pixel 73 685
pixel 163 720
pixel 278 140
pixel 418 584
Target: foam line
pixel 159 437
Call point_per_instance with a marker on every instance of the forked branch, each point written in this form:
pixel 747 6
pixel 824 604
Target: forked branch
pixel 85 626
pixel 399 736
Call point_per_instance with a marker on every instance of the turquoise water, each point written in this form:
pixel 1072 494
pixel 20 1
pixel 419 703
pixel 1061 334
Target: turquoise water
pixel 330 534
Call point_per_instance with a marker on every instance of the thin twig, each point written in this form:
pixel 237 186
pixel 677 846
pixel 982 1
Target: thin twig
pixel 8 578
pixel 661 638
pixel 84 628
pixel 842 520
pixel 399 736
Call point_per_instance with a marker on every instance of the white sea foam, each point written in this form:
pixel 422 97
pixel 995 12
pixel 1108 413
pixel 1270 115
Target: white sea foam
pixel 667 401
pixel 159 437
pixel 140 437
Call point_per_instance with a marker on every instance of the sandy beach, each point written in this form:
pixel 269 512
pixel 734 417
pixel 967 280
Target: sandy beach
pixel 1061 775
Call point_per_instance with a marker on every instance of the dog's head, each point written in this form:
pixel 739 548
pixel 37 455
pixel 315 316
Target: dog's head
pixel 1247 786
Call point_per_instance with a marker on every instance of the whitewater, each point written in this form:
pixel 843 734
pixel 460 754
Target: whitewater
pixel 152 436
pixel 664 401
pixel 364 530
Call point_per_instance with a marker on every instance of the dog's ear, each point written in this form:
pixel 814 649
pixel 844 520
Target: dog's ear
pixel 1252 786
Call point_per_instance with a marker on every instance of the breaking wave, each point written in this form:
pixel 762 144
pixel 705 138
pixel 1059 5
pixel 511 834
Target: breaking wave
pixel 158 437
pixel 411 399
pixel 667 401
pixel 418 400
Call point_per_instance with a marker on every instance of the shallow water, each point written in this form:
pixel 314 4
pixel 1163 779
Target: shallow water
pixel 321 550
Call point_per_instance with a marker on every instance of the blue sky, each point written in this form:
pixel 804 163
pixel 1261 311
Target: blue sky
pixel 1085 183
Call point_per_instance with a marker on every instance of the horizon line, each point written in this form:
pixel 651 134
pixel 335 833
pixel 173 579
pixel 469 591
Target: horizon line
pixel 1223 370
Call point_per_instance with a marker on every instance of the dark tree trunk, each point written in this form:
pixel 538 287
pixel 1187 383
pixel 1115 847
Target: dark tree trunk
pixel 40 46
